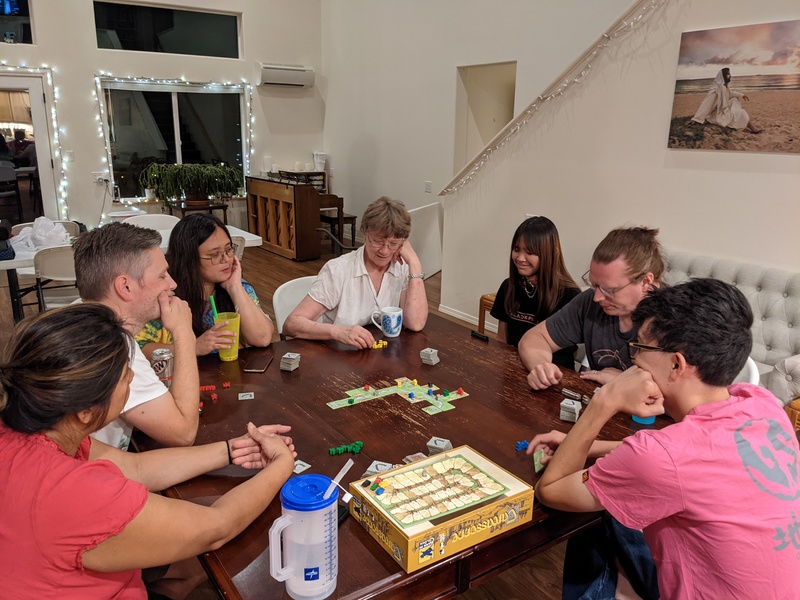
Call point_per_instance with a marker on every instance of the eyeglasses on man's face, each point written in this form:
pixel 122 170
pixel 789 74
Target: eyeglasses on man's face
pixel 635 347
pixel 377 244
pixel 609 292
pixel 216 257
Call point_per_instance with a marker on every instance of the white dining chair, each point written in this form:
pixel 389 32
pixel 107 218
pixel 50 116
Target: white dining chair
pixel 157 222
pixel 55 277
pixel 287 297
pixel 73 229
pixel 240 242
pixel 749 373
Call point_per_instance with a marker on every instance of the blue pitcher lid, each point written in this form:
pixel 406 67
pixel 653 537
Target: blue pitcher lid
pixel 304 492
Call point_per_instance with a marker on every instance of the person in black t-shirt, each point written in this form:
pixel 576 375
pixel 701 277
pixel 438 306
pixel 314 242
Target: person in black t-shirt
pixel 538 284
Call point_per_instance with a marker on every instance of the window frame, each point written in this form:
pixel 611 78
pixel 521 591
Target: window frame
pixel 244 90
pixel 239 28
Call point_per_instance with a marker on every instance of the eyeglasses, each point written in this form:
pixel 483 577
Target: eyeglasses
pixel 216 257
pixel 378 244
pixel 609 293
pixel 635 347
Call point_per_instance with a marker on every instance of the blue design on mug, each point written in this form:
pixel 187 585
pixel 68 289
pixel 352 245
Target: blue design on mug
pixel 311 574
pixel 390 328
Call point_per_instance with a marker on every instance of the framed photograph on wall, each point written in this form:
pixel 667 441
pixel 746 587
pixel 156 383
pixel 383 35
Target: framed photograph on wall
pixel 738 88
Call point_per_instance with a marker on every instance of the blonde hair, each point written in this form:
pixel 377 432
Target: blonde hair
pixel 638 246
pixel 387 217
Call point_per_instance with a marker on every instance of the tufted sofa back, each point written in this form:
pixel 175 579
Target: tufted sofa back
pixel 774 297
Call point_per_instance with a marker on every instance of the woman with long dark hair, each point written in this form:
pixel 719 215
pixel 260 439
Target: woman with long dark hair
pixel 202 261
pixel 80 518
pixel 538 284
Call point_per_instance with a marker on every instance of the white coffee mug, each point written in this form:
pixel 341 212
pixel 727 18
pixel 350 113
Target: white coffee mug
pixel 391 320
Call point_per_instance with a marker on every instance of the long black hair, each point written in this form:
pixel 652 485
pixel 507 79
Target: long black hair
pixel 539 236
pixel 62 362
pixel 184 265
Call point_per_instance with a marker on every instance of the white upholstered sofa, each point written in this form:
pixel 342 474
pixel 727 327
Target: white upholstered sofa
pixel 774 296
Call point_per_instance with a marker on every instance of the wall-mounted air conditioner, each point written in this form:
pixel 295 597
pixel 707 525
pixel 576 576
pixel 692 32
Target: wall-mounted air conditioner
pixel 287 75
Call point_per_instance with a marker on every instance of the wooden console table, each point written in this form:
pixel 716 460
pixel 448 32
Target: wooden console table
pixel 209 207
pixel 285 215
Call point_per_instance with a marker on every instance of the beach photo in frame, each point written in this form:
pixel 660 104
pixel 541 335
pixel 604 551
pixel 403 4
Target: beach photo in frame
pixel 738 88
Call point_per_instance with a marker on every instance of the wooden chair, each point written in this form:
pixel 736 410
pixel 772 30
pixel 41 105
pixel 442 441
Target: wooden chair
pixel 485 306
pixel 793 410
pixel 336 220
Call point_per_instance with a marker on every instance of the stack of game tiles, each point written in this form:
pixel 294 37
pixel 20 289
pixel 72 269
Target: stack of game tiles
pixel 376 467
pixel 429 356
pixel 437 445
pixel 290 361
pixel 570 410
pixel 414 457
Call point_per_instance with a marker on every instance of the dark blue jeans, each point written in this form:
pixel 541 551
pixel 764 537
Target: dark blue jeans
pixel 590 563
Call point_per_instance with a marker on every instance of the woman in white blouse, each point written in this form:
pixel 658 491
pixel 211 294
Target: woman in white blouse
pixel 385 271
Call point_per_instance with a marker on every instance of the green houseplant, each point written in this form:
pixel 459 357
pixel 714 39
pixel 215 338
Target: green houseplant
pixel 190 182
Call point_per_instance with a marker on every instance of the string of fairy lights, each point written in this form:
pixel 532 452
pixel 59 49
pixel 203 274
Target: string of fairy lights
pixel 574 77
pixel 104 79
pixel 56 131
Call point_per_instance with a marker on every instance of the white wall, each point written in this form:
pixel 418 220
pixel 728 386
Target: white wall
pixel 288 125
pixel 392 69
pixel 597 159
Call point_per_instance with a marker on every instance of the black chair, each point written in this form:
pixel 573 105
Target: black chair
pixel 9 189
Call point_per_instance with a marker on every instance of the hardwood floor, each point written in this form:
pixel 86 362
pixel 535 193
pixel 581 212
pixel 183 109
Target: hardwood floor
pixel 538 578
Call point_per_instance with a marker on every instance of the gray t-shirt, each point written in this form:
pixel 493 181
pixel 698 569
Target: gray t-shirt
pixel 582 321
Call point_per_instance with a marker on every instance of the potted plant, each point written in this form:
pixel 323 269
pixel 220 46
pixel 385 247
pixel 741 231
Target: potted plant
pixel 191 183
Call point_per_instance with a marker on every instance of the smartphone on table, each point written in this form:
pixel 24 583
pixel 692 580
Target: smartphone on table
pixel 258 364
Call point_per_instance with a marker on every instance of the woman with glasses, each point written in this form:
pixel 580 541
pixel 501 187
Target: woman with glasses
pixel 385 271
pixel 538 284
pixel 202 261
pixel 624 267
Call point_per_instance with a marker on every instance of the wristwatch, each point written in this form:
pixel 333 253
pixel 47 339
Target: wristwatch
pixel 417 276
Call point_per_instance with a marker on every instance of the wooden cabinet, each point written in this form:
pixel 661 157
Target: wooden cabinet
pixel 285 215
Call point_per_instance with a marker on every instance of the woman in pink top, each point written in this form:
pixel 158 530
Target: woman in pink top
pixel 78 518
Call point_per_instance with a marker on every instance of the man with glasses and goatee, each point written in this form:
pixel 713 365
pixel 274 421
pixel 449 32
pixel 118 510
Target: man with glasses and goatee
pixel 624 267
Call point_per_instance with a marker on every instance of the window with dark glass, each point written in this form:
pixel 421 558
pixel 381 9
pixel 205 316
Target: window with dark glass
pixel 15 22
pixel 151 29
pixel 147 125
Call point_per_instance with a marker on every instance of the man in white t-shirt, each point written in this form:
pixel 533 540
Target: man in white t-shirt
pixel 122 266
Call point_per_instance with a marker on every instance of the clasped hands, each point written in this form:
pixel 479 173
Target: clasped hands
pixel 261 445
pixel 633 392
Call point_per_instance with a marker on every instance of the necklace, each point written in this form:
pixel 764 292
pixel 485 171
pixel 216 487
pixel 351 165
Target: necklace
pixel 528 287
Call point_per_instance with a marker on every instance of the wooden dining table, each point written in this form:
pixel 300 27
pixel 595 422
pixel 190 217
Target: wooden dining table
pixel 500 410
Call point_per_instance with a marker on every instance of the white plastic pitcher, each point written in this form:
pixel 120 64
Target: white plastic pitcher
pixel 309 530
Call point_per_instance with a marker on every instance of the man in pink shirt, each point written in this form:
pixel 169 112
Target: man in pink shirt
pixel 717 493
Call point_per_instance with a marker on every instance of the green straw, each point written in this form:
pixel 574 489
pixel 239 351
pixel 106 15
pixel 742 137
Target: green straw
pixel 213 307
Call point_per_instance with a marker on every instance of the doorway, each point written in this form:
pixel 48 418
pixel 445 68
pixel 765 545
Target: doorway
pixel 27 132
pixel 484 105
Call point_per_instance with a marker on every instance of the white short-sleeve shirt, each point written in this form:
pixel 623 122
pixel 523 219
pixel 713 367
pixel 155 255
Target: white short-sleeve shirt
pixel 145 386
pixel 343 287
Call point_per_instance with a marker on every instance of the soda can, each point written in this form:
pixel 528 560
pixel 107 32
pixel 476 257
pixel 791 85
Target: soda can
pixel 163 364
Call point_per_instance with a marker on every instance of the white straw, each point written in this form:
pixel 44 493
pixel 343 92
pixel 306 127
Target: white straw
pixel 338 478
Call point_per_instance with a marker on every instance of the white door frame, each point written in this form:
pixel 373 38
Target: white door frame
pixel 40 96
